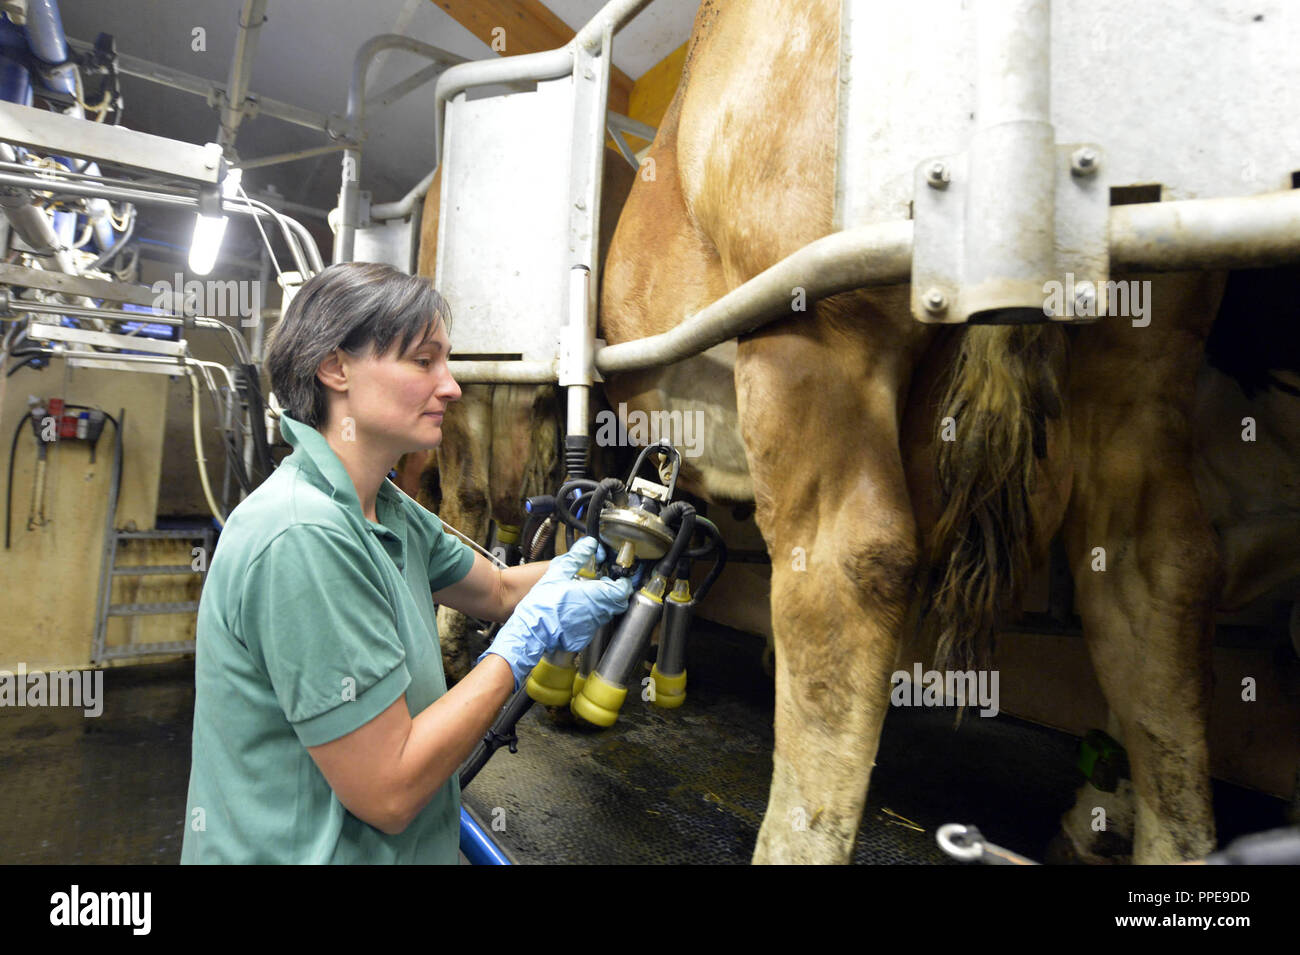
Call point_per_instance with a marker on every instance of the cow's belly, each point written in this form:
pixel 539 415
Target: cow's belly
pixel 691 404
pixel 1250 489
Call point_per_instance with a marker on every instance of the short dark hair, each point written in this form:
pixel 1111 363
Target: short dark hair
pixel 350 305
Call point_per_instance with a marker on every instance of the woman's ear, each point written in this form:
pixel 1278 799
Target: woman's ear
pixel 333 372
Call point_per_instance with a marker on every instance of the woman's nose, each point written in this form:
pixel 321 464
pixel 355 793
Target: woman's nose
pixel 450 390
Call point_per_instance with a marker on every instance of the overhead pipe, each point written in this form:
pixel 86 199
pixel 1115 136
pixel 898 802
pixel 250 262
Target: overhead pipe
pixel 528 67
pixel 350 190
pixel 204 88
pixel 45 36
pixel 251 18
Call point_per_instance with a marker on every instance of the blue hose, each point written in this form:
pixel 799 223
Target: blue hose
pixel 477 845
pixel 45 34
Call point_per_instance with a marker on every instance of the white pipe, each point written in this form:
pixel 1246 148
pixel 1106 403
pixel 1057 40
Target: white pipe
pixel 198 450
pixel 504 372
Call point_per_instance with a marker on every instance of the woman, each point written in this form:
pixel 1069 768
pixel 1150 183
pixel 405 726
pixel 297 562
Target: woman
pixel 323 727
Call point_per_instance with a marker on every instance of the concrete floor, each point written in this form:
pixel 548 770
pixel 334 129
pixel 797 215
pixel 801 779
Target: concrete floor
pixel 108 790
pixel 679 786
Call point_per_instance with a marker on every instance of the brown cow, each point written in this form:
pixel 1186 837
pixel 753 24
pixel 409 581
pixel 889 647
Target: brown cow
pixel 1086 430
pixel 744 165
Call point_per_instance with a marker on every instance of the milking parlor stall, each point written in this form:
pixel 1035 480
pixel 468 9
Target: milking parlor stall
pixel 929 369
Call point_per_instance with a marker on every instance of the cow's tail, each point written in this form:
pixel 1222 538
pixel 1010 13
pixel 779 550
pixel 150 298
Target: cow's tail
pixel 1006 383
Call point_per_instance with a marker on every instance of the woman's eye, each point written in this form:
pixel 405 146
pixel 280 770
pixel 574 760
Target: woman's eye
pixel 424 362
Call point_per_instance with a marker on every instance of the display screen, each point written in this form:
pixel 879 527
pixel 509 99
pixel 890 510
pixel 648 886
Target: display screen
pixel 146 329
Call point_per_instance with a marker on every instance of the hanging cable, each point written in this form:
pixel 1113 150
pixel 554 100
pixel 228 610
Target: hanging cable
pixel 257 221
pixel 198 450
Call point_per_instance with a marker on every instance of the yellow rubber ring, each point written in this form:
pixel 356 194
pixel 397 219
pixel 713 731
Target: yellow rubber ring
pixel 599 701
pixel 670 691
pixel 551 685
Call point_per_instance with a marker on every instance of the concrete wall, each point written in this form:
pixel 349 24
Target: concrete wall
pixel 50 573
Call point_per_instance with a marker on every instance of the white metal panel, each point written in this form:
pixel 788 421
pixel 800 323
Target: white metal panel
pixel 392 243
pixel 503 257
pixel 1201 96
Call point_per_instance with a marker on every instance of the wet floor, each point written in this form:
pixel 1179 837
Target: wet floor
pixel 108 789
pixel 685 785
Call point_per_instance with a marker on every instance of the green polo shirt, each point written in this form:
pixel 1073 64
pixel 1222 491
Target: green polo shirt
pixel 313 621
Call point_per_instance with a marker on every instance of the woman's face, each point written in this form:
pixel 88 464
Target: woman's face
pixel 399 400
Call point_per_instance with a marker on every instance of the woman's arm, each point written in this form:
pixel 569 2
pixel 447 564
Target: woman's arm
pixel 491 593
pixel 385 772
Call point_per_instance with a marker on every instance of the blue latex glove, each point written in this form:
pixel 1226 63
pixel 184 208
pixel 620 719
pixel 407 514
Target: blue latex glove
pixel 561 612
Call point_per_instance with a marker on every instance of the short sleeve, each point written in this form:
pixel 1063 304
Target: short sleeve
pixel 450 558
pixel 316 613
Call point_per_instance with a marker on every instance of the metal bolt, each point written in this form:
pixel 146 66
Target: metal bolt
pixel 1084 161
pixel 937 176
pixel 580 204
pixel 934 301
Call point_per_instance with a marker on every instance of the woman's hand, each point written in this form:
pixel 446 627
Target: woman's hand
pixel 561 612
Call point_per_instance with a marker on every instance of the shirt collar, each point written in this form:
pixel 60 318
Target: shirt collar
pixel 314 456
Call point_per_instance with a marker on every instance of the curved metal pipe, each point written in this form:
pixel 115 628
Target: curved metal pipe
pixel 878 254
pixel 350 189
pixel 549 64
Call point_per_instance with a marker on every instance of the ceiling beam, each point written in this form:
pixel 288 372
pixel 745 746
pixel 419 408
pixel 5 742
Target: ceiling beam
pixel 526 26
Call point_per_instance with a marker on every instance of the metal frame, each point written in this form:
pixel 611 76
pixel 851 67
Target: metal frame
pixel 301 245
pixel 352 216
pixel 55 133
pixel 1020 178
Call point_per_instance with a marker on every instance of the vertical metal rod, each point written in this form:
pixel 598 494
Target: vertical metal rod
pixel 1011 192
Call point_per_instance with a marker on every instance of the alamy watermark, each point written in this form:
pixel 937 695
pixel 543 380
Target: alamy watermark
pixel 129 909
pixel 76 688
pixel 946 688
pixel 212 298
pixel 684 430
pixel 1131 299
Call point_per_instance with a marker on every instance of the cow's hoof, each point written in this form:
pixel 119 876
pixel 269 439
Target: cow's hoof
pixel 1098 828
pixel 1060 851
pixel 1063 850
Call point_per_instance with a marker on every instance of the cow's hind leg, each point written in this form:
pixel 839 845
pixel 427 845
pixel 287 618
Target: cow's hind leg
pixel 819 410
pixel 1144 555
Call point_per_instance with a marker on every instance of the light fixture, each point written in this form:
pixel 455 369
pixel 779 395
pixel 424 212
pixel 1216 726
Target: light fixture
pixel 209 230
